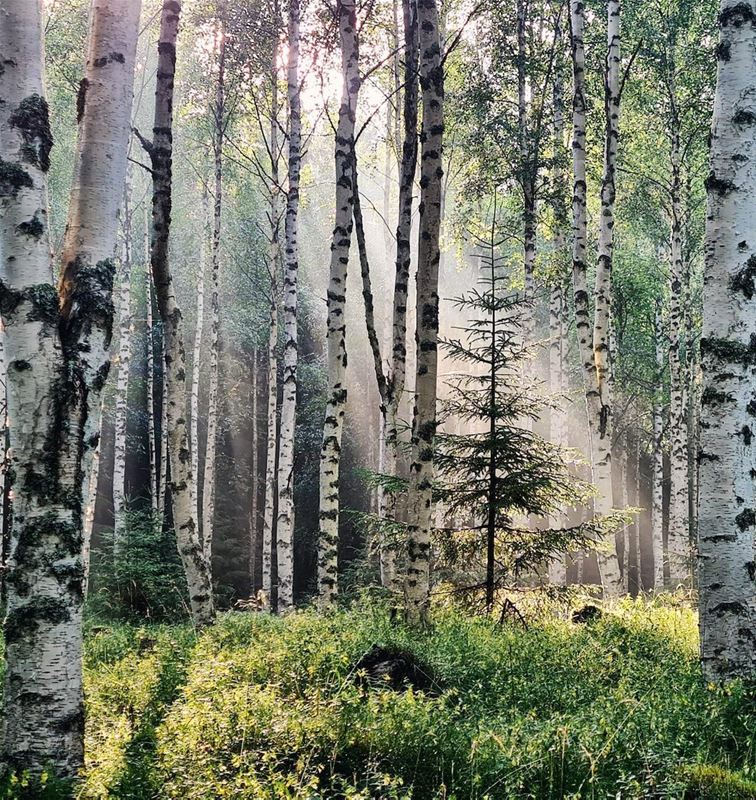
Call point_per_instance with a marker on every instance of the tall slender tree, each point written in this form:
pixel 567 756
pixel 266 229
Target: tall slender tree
pixel 431 71
pixel 727 508
pixel 330 454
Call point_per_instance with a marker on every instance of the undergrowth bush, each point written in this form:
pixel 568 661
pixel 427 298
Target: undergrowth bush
pixel 264 708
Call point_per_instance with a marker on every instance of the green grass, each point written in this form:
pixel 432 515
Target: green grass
pixel 263 708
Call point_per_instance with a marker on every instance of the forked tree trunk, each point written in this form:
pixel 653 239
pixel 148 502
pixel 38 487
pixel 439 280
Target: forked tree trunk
pixel 390 577
pixel 57 351
pixel 285 514
pixel 727 508
pixel 195 564
pixel 417 586
pixel 593 347
pixel 122 384
pixel 679 556
pixel 330 454
pixel 211 444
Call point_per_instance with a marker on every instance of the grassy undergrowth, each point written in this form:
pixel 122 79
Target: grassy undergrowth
pixel 263 708
pixel 266 708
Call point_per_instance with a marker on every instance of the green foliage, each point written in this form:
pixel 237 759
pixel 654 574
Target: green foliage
pixel 145 580
pixel 27 787
pixel 262 707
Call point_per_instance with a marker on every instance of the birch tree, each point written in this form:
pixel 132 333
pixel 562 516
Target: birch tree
pixel 431 70
pixel 330 454
pixel 151 440
pixel 57 350
pixel 285 478
pixel 593 343
pixel 122 382
pixel 727 593
pixel 160 150
pixel 657 479
pixel 211 445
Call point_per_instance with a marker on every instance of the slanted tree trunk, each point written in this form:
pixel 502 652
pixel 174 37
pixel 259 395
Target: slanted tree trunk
pixel 330 454
pixel 727 508
pixel 211 445
pixel 594 347
pixel 199 324
pixel 195 564
pixel 285 514
pixel 657 480
pixel 57 351
pixel 122 384
pixel 678 542
pixel 417 587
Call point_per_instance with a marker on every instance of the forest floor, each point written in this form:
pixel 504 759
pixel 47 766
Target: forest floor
pixel 309 707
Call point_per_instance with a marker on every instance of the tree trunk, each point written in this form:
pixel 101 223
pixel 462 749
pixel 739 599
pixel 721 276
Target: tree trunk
pixel 285 516
pixel 122 384
pixel 271 449
pixel 657 481
pixel 57 355
pixel 678 542
pixel 254 526
pixel 330 454
pixel 727 594
pixel 417 587
pixel 151 440
pixel 199 324
pixel 196 567
pixel 211 445
pixel 593 349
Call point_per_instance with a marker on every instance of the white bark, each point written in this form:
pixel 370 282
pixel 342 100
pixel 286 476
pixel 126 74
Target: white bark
pixel 199 324
pixel 417 586
pixel 285 514
pixel 151 441
pixel 679 555
pixel 330 454
pixel 593 347
pixel 196 567
pixel 254 525
pixel 51 339
pixel 657 481
pixel 271 449
pixel 211 445
pixel 122 384
pixel 727 508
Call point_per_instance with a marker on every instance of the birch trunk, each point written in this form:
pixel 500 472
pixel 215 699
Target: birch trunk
pixel 285 515
pixel 211 445
pixel 195 564
pixel 593 348
pixel 727 594
pixel 330 454
pixel 678 542
pixel 271 449
pixel 254 527
pixel 657 487
pixel 122 385
pixel 417 586
pixel 151 441
pixel 390 578
pixel 57 351
pixel 199 325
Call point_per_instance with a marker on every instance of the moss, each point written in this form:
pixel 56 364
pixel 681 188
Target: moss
pixel 743 280
pixel 720 186
pixel 32 118
pixel 89 302
pixel 27 618
pixel 709 782
pixel 728 350
pixel 13 178
pixel 42 298
pixel 736 15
